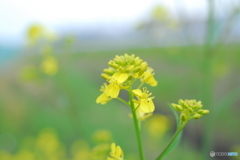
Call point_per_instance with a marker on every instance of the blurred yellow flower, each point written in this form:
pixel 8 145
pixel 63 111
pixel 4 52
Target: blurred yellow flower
pixel 160 13
pixel 116 153
pixel 102 136
pixel 158 125
pixel 80 150
pixel 148 77
pixel 25 155
pixel 4 155
pixel 100 151
pixel 144 101
pixel 48 144
pixel 37 32
pixel 49 65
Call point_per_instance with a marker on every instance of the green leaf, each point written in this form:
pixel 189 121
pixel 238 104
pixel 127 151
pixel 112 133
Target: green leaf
pixel 178 138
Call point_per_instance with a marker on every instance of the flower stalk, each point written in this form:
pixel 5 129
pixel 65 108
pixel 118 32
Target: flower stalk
pixel 136 125
pixel 172 140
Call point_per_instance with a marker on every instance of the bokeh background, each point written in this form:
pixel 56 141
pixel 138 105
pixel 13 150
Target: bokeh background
pixel 53 52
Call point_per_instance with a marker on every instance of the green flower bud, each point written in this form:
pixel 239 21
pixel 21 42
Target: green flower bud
pixel 110 71
pixel 105 76
pixel 121 69
pixel 183 117
pixel 196 116
pixel 205 112
pixel 139 62
pixel 185 105
pixel 200 111
pixel 113 64
pixel 190 110
pixel 143 67
pixel 181 102
pixel 136 69
pixel 179 108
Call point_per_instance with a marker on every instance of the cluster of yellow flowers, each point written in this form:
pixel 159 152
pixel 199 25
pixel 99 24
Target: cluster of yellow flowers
pixel 189 109
pixel 47 146
pixel 122 73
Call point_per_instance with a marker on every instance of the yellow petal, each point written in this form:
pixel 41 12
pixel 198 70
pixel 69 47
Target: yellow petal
pixel 118 151
pixel 113 148
pixel 112 90
pixel 116 75
pixel 115 91
pixel 103 99
pixel 151 104
pixel 122 77
pixel 137 92
pixel 145 106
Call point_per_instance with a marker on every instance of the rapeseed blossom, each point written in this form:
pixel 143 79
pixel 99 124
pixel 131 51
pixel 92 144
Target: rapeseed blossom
pixel 116 153
pixel 144 100
pixel 122 72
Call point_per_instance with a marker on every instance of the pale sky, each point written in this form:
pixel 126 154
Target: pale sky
pixel 17 15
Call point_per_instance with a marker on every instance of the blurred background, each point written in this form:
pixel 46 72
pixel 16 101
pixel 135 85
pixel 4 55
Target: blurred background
pixel 53 52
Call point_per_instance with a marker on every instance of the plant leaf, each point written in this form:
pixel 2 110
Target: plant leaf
pixel 178 138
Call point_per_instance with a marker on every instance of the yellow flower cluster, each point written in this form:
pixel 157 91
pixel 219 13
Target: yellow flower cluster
pixel 47 146
pixel 190 109
pixel 49 65
pixel 123 71
pixel 116 153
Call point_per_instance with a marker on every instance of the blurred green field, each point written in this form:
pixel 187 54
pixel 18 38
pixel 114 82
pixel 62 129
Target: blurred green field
pixel 32 102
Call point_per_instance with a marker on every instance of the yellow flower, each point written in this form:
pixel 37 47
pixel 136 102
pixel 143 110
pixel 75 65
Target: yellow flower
pixel 103 98
pixel 116 153
pixel 157 126
pixel 145 102
pixel 49 65
pixel 148 77
pixel 140 114
pixel 115 85
pixel 102 136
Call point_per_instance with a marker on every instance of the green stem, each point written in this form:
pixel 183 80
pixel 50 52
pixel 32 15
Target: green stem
pixel 140 85
pixel 136 125
pixel 120 99
pixel 172 140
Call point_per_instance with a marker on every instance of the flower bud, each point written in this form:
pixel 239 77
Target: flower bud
pixel 190 110
pixel 113 64
pixel 143 67
pixel 121 69
pixel 105 76
pixel 200 111
pixel 110 71
pixel 136 69
pixel 179 108
pixel 185 104
pixel 205 112
pixel 138 61
pixel 183 117
pixel 196 116
pixel 181 102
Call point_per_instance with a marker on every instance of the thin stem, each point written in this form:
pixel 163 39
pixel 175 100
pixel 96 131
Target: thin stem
pixel 140 85
pixel 172 140
pixel 120 99
pixel 136 125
